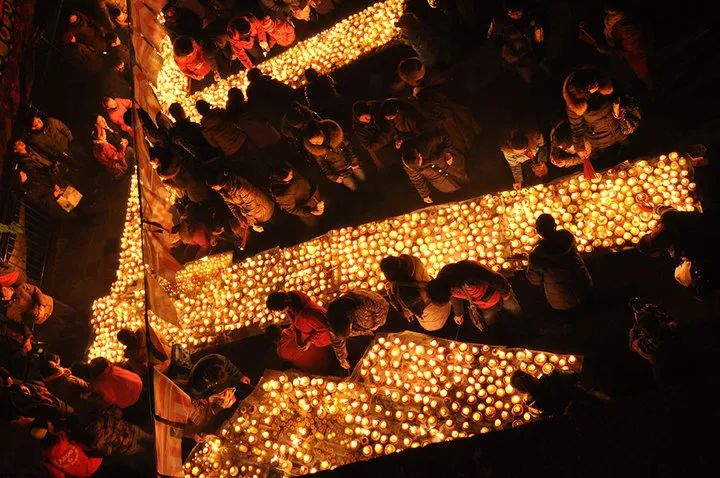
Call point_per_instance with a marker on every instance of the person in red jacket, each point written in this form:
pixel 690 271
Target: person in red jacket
pixel 246 33
pixel 305 343
pixel 471 285
pixel 280 31
pixel 190 58
pixel 116 386
pixel 116 109
pixel 109 156
pixel 63 457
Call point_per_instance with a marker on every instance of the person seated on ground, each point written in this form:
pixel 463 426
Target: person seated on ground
pixel 595 113
pixel 556 393
pixel 64 457
pixel 267 97
pixel 29 398
pixel 372 131
pixel 80 62
pixel 521 147
pixel 433 94
pixel 305 343
pixel 116 109
pixel 406 120
pixel 181 21
pixel 212 374
pixel 430 160
pixel 115 50
pixel 520 35
pixel 294 193
pixel 469 285
pixel 247 202
pixel 220 132
pixel 294 122
pixel 356 312
pixel 26 304
pixel 248 39
pixel 115 385
pixel 49 136
pixel 86 31
pixel 189 57
pixel 322 96
pixel 326 143
pixel 136 350
pixel 111 158
pixel 407 291
pixel 562 148
pixel 555 264
pixel 179 172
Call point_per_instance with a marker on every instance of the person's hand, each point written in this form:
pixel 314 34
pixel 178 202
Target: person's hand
pixel 583 154
pixel 517 186
pixel 459 319
pixel 198 438
pixel 23 176
pixel 264 45
pixel 123 142
pixel 427 200
pixel 601 49
pixel 449 159
pixel 339 180
pixel 245 379
pixel 345 364
pixel 257 228
pixel 216 75
pixel 398 143
pixel 616 109
pixel 57 191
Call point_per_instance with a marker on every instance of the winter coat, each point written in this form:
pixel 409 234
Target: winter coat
pixel 184 175
pixel 53 139
pixel 308 320
pixel 29 305
pixel 434 170
pixel 369 313
pixel 82 61
pixel 187 23
pixel 117 115
pixel 260 133
pixel 108 434
pixel 196 389
pixel 593 119
pixel 111 158
pixel 68 458
pixel 297 197
pixel 322 97
pixel 335 156
pixel 409 295
pixel 532 153
pixel 281 32
pixel 294 133
pixel 248 202
pixel 188 136
pixel 516 37
pixel 222 133
pixel 473 282
pixel 194 65
pixel 33 400
pixel 88 32
pixel 409 122
pixel 119 52
pixel 36 164
pixel 376 134
pixel 241 46
pixel 556 264
pixel 269 98
pixel 314 360
pixel 117 386
pixel 72 390
pixel 627 39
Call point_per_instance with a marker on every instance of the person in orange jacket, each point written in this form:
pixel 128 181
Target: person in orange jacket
pixel 190 58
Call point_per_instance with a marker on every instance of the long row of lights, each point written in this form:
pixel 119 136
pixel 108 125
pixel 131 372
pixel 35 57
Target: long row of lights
pixel 214 296
pixel 408 391
pixel 358 35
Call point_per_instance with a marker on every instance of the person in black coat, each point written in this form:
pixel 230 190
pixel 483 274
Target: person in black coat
pixel 214 373
pixel 188 136
pixel 334 154
pixel 322 96
pixel 180 172
pixel 115 50
pixel 86 31
pixel 373 132
pixel 406 120
pixel 268 97
pixel 295 194
pixel 430 160
pixel 181 21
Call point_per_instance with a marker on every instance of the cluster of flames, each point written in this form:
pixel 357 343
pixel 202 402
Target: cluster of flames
pixel 408 391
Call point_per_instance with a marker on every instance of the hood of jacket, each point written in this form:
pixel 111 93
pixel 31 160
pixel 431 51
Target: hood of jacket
pixel 333 138
pixel 579 105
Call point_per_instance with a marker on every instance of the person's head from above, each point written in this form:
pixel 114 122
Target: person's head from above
pixel 109 103
pixel 545 225
pixel 219 180
pixel 295 118
pixel 278 301
pixel 615 8
pixel 74 18
pixel 20 147
pixel 522 381
pixel 338 315
pixel 314 134
pixel 361 112
pixel 112 39
pixel 212 376
pixel 177 112
pixel 410 153
pixel 236 94
pixel 203 107
pixel 254 74
pixel 99 135
pixel 81 370
pixel 119 65
pixel 562 138
pixel 283 173
pixel 183 46
pixel 117 15
pixel 517 142
pixel 273 333
pixel 390 108
pixel 41 429
pixel 583 83
pixel 7 293
pixel 411 70
pixel 160 157
pixel 515 9
pixel 394 268
pixel 169 12
pixel 128 338
pixel 407 20
pixel 438 291
pixel 6 379
pixel 311 74
pixel 239 28
pixel 36 123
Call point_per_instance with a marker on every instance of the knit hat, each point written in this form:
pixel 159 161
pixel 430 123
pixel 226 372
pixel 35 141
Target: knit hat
pixel 411 70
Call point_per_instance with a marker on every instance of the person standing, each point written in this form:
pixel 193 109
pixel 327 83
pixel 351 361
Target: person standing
pixel 50 136
pixel 306 342
pixel 295 194
pixel 326 142
pixel 522 147
pixel 556 265
pixel 356 312
pixel 373 132
pixel 470 286
pixel 247 202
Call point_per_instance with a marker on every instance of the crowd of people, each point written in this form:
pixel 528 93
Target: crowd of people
pixel 273 153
